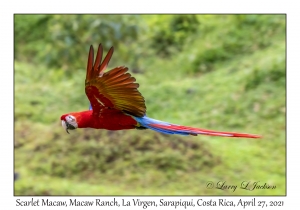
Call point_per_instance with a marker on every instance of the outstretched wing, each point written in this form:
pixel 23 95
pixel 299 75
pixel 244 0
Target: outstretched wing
pixel 115 89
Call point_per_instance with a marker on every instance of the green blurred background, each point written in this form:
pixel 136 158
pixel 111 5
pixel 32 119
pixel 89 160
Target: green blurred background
pixel 221 72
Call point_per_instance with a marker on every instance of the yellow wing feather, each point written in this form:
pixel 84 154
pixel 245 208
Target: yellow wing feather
pixel 114 89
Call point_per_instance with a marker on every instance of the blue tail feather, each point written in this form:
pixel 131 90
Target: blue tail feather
pixel 146 121
pixel 168 128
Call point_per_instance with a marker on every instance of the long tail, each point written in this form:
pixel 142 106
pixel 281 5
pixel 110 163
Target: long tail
pixel 168 128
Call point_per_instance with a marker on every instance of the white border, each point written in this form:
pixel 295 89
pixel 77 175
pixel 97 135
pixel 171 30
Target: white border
pixel 154 6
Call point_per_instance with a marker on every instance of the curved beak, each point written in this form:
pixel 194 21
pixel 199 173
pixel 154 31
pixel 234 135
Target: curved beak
pixel 64 125
pixel 67 126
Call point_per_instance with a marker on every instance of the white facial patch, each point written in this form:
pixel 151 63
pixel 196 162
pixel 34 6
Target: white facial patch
pixel 63 123
pixel 72 121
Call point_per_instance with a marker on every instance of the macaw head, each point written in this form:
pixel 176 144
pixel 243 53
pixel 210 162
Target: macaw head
pixel 69 122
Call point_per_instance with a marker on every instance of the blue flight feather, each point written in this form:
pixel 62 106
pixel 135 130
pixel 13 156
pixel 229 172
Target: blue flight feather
pixel 146 121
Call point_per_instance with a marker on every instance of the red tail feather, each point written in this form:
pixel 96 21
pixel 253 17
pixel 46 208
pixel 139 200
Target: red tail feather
pixel 195 131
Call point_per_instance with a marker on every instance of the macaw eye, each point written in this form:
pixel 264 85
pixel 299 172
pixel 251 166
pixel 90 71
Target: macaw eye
pixel 70 118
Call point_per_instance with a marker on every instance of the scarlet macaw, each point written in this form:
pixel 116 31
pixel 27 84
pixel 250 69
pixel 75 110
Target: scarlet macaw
pixel 117 104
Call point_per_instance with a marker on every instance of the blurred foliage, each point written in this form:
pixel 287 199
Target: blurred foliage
pixel 221 72
pixel 114 153
pixel 274 74
pixel 58 40
pixel 61 40
pixel 239 34
pixel 173 33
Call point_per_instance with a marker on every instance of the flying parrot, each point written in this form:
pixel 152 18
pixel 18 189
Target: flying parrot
pixel 116 103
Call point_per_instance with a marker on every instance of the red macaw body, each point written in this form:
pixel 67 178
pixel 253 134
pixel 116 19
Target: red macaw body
pixel 110 119
pixel 117 104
